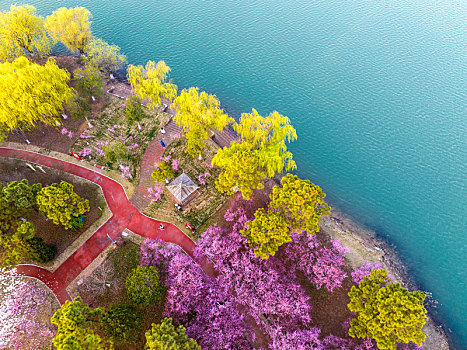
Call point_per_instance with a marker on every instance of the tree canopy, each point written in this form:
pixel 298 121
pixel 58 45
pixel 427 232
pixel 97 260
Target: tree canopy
pixel 261 153
pixel 119 320
pixel 21 194
pixel 71 26
pixel 31 93
pixel 21 31
pixel 386 312
pixel 266 233
pixel 88 79
pixel 164 336
pixel 300 202
pixel 75 327
pixel 106 56
pixel 162 172
pixel 149 82
pixel 197 112
pixel 144 286
pixel 60 203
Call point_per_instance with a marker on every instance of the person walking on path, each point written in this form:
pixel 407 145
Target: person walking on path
pixel 162 144
pixel 162 131
pixel 161 226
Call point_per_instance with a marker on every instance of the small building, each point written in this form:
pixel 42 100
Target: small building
pixel 183 189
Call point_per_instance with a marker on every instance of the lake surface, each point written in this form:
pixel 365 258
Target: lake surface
pixel 375 89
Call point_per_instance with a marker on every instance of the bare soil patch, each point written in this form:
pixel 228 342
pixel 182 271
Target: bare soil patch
pixel 11 170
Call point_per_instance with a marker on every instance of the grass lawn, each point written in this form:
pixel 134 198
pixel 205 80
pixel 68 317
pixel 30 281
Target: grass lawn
pixel 111 131
pixel 200 209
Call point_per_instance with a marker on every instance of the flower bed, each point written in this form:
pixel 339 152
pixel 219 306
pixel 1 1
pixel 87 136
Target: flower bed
pixel 115 143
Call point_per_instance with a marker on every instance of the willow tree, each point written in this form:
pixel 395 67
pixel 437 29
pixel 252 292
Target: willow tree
pixel 149 82
pixel 386 312
pixel 21 31
pixel 261 153
pixel 106 57
pixel 70 26
pixel 197 113
pixel 31 93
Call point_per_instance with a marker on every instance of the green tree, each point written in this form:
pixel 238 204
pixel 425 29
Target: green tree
pixel 164 336
pixel 144 286
pixel 300 202
pixel 261 153
pixel 114 151
pixel 25 230
pixel 40 251
pixel 60 203
pixel 78 107
pixel 21 31
pixel 75 322
pixel 120 320
pixel 386 312
pixel 21 194
pixel 162 172
pixel 105 56
pixel 31 93
pixel 88 79
pixel 133 109
pixel 70 26
pixel 150 82
pixel 266 233
pixel 197 113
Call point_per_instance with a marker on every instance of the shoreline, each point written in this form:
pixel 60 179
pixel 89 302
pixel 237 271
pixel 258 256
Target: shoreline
pixel 366 246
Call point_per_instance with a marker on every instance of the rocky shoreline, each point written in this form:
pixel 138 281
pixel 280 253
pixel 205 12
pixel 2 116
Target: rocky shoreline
pixel 365 246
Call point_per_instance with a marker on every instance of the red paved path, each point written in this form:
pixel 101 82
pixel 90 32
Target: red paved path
pixel 125 215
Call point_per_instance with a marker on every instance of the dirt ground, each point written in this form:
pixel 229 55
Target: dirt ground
pixel 11 170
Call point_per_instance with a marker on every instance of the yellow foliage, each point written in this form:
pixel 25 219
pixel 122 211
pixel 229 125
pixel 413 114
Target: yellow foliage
pixel 31 93
pixel 149 82
pixel 198 112
pixel 21 31
pixel 70 26
pixel 261 153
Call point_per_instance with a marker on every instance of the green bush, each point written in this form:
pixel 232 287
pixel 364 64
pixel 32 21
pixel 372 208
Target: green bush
pixel 144 286
pixel 119 320
pixel 40 251
pixel 133 109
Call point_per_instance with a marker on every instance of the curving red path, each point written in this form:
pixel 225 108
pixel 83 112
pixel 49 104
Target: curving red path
pixel 125 215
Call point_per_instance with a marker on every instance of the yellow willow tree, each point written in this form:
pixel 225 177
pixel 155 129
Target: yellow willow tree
pixel 31 93
pixel 261 153
pixel 70 26
pixel 21 31
pixel 197 113
pixel 107 57
pixel 149 82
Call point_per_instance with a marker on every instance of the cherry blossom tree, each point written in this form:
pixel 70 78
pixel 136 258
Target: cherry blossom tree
pixel 20 328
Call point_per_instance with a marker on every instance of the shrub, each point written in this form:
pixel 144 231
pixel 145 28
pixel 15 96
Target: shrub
pixel 144 286
pixel 119 320
pixel 40 251
pixel 133 109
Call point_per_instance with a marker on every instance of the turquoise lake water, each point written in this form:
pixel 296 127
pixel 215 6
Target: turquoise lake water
pixel 375 89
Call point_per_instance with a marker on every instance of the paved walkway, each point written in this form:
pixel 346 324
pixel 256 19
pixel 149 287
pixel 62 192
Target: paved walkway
pixel 151 158
pixel 125 215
